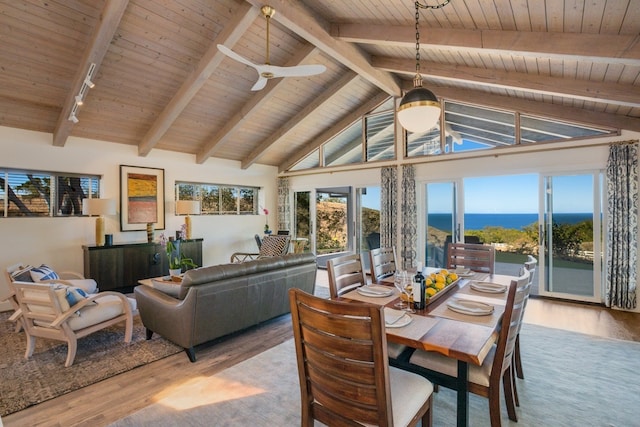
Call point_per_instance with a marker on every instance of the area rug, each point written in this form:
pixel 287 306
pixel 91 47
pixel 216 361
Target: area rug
pixel 572 379
pixel 101 355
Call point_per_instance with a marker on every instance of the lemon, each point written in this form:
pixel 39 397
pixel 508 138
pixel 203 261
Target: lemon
pixel 431 292
pixel 444 271
pixel 453 276
pixel 440 278
pixel 428 282
pixel 440 286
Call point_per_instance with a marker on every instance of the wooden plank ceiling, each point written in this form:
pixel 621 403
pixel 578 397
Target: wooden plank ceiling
pixel 161 83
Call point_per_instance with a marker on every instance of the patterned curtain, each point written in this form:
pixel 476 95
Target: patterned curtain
pixel 409 233
pixel 284 206
pixel 388 202
pixel 622 229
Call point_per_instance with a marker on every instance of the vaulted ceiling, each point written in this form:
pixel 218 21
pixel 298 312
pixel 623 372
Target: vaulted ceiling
pixel 161 82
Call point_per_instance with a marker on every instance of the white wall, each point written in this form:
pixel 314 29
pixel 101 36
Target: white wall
pixel 58 241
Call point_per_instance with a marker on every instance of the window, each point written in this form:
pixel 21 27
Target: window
pixel 217 199
pixel 42 194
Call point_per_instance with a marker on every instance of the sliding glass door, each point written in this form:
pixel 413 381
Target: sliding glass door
pixel 441 220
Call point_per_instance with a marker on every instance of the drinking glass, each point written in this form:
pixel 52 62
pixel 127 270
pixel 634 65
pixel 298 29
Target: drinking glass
pixel 398 282
pixel 407 288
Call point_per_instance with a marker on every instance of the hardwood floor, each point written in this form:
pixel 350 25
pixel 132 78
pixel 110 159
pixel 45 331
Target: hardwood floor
pixel 116 397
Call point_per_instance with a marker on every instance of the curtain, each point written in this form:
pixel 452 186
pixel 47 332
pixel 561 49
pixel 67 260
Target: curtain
pixel 388 202
pixel 622 227
pixel 409 233
pixel 284 206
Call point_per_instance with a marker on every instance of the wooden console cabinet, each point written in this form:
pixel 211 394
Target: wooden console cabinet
pixel 119 267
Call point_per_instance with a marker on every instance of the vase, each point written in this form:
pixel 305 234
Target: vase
pixel 175 271
pixel 149 232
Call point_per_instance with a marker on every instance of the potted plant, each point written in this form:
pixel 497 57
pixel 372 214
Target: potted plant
pixel 176 259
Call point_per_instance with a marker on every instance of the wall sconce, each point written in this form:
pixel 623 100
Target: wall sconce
pixel 188 207
pixel 99 207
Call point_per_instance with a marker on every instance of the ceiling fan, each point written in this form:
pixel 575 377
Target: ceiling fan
pixel 267 71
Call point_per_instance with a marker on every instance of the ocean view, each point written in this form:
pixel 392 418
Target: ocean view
pixel 478 221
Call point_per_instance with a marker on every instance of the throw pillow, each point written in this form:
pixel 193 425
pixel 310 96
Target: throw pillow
pixel 22 274
pixel 43 273
pixel 75 295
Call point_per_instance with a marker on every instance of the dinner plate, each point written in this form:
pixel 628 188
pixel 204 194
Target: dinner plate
pixel 488 287
pixel 462 271
pixel 472 308
pixel 375 291
pixel 403 321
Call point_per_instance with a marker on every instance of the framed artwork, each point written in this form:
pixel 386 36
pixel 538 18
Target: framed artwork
pixel 141 198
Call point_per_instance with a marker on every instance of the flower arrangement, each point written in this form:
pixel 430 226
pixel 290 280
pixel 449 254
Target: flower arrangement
pixel 266 224
pixel 176 259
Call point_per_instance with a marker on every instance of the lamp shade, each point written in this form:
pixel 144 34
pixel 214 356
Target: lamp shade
pixel 419 110
pixel 188 207
pixel 98 207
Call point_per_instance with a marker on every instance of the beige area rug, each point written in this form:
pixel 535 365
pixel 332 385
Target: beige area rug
pixel 571 380
pixel 101 355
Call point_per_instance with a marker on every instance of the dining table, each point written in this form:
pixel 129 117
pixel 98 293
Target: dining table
pixel 468 338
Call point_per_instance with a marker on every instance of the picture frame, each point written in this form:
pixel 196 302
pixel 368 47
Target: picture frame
pixel 141 198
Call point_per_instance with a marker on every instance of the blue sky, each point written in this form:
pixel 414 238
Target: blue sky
pixel 507 194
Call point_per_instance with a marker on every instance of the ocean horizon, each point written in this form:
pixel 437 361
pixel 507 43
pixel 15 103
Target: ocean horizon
pixel 478 221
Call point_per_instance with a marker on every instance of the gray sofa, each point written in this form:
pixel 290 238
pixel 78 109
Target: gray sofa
pixel 218 300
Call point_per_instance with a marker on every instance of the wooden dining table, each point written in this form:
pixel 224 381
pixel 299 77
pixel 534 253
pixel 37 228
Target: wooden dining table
pixel 463 337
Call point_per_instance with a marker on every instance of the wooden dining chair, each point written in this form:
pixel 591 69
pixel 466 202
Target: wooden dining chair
pixel 530 265
pixel 383 263
pixel 484 380
pixel 346 273
pixel 345 377
pixel 477 257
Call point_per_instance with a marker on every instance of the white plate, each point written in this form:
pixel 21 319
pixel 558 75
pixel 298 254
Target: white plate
pixel 488 287
pixel 375 291
pixel 462 271
pixel 472 308
pixel 403 321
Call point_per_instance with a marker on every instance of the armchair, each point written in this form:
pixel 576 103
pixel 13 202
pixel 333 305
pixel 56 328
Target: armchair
pixel 277 245
pixel 60 312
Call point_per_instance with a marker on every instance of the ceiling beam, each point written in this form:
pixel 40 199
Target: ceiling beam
pixel 628 95
pixel 543 109
pixel 297 119
pixel 241 20
pixel 257 101
pixel 106 27
pixel 603 48
pixel 333 130
pixel 294 16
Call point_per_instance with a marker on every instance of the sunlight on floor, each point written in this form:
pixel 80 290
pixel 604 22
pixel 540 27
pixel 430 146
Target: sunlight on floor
pixel 202 391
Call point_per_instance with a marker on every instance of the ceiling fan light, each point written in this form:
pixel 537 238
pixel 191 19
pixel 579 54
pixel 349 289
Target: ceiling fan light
pixel 419 110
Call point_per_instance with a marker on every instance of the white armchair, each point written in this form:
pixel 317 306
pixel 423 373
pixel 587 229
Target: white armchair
pixel 60 312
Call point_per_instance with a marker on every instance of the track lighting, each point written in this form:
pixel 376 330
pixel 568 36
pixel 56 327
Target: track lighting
pixel 79 98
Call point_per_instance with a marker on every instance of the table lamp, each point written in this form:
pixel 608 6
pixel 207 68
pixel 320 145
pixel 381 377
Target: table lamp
pixel 188 207
pixel 100 207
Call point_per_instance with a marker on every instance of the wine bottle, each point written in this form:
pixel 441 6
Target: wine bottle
pixel 419 289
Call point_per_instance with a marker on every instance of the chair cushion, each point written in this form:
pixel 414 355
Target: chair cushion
pixel 449 366
pixel 107 307
pixel 409 391
pixel 42 273
pixel 87 285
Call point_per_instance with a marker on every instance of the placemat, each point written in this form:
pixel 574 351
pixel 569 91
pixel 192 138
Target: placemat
pixel 355 295
pixel 489 320
pixel 419 326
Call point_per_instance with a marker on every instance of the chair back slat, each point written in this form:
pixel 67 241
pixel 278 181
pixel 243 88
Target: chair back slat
pixel 345 274
pixel 476 257
pixel 383 263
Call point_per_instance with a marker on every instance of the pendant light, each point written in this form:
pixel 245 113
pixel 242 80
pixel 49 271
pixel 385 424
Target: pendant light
pixel 419 110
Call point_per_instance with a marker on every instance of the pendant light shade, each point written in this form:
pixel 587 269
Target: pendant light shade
pixel 419 110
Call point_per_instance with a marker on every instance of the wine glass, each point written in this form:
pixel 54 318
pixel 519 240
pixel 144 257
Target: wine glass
pixel 407 288
pixel 398 282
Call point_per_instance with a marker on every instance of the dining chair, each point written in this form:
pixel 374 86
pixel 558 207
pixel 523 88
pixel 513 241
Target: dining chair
pixel 345 377
pixel 346 273
pixel 530 265
pixel 477 257
pixel 484 380
pixel 383 263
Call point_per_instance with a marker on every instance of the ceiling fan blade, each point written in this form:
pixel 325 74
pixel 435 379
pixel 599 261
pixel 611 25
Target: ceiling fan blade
pixel 231 54
pixel 296 71
pixel 259 84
